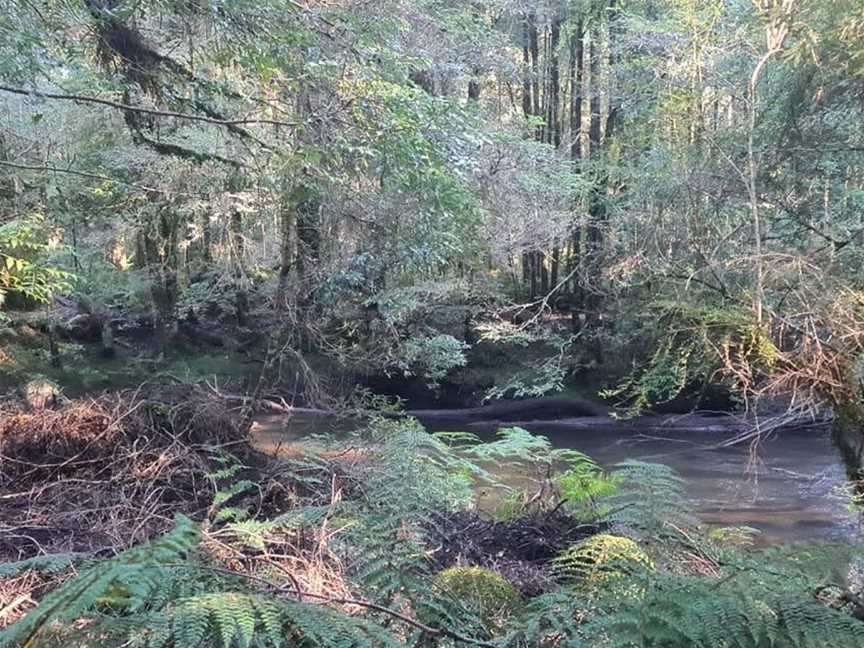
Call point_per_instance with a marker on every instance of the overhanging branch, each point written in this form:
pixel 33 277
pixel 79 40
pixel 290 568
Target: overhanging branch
pixel 147 111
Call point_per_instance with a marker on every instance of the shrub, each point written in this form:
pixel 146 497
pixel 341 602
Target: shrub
pixel 602 557
pixel 484 592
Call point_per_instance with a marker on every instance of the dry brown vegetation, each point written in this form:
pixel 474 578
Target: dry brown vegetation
pixel 99 475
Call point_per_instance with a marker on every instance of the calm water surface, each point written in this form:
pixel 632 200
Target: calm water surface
pixel 789 489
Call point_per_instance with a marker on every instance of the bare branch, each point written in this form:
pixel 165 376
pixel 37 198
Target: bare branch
pixel 147 111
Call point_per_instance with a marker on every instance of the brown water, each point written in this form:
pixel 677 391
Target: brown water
pixel 788 489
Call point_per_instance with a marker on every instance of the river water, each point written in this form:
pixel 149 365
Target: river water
pixel 789 487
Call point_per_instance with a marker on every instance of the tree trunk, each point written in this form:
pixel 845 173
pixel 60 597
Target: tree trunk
pixel 474 87
pixel 527 103
pixel 554 266
pixel 576 75
pixel 553 126
pixel 241 297
pixel 534 49
pixel 287 254
pixel 156 250
pixel 207 238
pixel 596 207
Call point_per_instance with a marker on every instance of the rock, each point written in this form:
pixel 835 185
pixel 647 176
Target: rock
pixel 83 327
pixel 40 394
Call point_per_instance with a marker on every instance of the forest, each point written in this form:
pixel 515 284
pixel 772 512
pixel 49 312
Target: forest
pixel 431 323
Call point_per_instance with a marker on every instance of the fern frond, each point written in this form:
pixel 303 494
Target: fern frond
pixel 45 564
pixel 650 501
pixel 126 579
pixel 241 620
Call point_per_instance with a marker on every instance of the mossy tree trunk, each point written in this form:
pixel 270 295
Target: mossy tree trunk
pixel 238 249
pixel 156 249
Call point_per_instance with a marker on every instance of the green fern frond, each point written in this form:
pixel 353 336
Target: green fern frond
pixel 650 501
pixel 45 564
pixel 125 580
pixel 241 620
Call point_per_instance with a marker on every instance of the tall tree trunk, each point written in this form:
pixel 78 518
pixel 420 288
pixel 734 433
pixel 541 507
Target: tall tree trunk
pixel 596 197
pixel 554 266
pixel 158 243
pixel 207 238
pixel 238 248
pixel 576 62
pixel 287 254
pixel 308 205
pixel 596 207
pixel 474 87
pixel 527 103
pixel 616 108
pixel 534 49
pixel 576 76
pixel 553 125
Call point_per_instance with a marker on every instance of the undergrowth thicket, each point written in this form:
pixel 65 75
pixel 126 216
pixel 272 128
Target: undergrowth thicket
pixel 374 541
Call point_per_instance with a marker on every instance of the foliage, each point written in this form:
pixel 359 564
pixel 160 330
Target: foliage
pixel 337 192
pixel 22 271
pixel 650 501
pixel 600 558
pixel 585 485
pixel 47 564
pixel 128 581
pixel 697 612
pixel 487 594
pixel 434 357
pixel 228 619
pixel 189 588
pixel 699 345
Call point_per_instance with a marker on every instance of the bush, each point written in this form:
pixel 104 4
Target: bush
pixel 602 557
pixel 484 592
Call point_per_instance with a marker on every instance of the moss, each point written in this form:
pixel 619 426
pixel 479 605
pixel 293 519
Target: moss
pixel 602 557
pixel 485 592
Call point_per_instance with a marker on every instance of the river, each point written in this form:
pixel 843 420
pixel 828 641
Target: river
pixel 789 487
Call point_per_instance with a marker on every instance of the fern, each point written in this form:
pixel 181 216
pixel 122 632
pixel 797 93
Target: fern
pixel 390 518
pixel 241 620
pixel 45 564
pixel 127 580
pixel 700 612
pixel 600 558
pixel 650 501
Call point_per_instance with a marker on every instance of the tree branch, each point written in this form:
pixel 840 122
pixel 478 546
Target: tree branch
pixel 82 174
pixel 147 111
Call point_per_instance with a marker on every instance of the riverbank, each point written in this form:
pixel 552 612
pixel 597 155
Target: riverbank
pixel 384 521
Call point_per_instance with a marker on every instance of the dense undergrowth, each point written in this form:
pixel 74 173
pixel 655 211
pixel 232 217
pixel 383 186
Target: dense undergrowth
pixel 144 519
